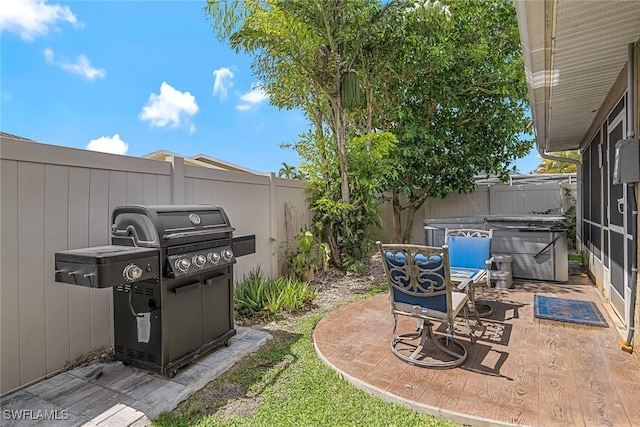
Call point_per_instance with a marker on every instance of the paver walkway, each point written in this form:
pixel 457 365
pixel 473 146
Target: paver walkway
pixel 112 394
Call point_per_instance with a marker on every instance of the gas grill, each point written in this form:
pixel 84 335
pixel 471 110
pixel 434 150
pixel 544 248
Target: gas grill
pixel 171 270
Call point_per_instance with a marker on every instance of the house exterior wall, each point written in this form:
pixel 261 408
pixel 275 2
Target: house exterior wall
pixel 56 198
pixel 596 188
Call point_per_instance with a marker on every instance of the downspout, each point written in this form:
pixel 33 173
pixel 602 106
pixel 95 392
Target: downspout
pixel 543 153
pixel 626 346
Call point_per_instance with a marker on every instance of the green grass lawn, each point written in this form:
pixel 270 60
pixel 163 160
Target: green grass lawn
pixel 575 257
pixel 286 384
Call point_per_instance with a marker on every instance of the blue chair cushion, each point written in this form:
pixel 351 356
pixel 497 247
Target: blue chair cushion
pixel 438 302
pixel 469 252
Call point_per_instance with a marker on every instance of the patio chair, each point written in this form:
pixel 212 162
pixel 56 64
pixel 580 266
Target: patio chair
pixel 420 288
pixel 470 250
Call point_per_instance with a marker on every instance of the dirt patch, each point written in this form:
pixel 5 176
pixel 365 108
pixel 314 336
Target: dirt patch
pixel 243 407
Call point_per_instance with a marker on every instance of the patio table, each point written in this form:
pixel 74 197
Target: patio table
pixel 467 278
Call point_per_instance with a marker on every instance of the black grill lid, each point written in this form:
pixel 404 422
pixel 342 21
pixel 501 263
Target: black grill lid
pixel 168 225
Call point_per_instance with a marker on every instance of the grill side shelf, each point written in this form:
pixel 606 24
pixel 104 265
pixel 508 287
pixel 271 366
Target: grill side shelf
pixel 106 266
pixel 244 244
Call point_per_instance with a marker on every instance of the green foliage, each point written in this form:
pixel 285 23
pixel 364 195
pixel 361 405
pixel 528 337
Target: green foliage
pixel 557 166
pixel 570 215
pixel 289 172
pixel 444 78
pixel 460 107
pixel 309 255
pixel 256 295
pixel 346 226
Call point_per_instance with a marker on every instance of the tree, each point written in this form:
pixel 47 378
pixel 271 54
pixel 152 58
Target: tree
pixel 457 106
pixel 557 166
pixel 305 47
pixel 289 172
pixel 304 55
pixel 446 80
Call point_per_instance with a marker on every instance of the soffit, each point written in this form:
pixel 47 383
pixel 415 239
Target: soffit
pixel 571 69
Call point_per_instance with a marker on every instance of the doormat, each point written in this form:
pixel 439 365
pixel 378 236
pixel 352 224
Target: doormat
pixel 568 310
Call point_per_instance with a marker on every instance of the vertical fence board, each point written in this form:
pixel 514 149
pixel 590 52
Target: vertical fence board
pixel 149 189
pixel 9 294
pixel 56 197
pixel 198 191
pixel 33 360
pixel 78 237
pixel 164 189
pixel 99 221
pixel 117 189
pixel 188 191
pixel 134 188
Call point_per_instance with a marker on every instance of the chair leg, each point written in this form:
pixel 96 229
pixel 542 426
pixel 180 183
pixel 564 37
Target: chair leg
pixel 425 333
pixel 465 312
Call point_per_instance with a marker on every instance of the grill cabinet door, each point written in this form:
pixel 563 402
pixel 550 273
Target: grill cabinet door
pixel 183 316
pixel 217 311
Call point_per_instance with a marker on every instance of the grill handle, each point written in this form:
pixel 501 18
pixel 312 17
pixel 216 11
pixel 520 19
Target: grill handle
pixel 186 288
pixel 215 279
pixel 171 236
pixel 130 232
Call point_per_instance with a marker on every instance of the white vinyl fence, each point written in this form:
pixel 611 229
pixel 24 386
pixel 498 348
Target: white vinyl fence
pixel 529 197
pixel 55 198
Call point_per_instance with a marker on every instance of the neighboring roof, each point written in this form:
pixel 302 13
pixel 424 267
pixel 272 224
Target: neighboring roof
pixel 20 138
pixel 200 160
pixel 573 51
pixel 222 164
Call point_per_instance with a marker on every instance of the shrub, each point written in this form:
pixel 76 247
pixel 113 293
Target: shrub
pixel 257 295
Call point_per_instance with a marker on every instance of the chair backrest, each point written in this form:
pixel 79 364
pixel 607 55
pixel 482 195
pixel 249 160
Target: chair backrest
pixel 418 275
pixel 468 248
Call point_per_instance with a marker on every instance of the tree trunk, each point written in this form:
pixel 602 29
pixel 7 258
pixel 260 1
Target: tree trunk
pixel 342 149
pixel 369 126
pixel 396 236
pixel 335 250
pixel 411 211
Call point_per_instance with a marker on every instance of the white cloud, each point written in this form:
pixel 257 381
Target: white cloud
pixel 254 97
pixel 82 66
pixel 32 18
pixel 169 107
pixel 108 144
pixel 223 82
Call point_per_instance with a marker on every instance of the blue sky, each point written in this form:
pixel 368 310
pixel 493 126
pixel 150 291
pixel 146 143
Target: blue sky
pixel 133 77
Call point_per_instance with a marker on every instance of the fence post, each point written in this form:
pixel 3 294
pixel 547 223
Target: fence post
pixel 177 180
pixel 273 226
pixel 490 195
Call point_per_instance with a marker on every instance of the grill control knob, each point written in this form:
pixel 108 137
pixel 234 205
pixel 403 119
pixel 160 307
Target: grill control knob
pixel 199 261
pixel 227 254
pixel 214 257
pixel 183 264
pixel 131 273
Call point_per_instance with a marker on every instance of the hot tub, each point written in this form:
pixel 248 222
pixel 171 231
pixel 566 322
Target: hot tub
pixel 537 244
